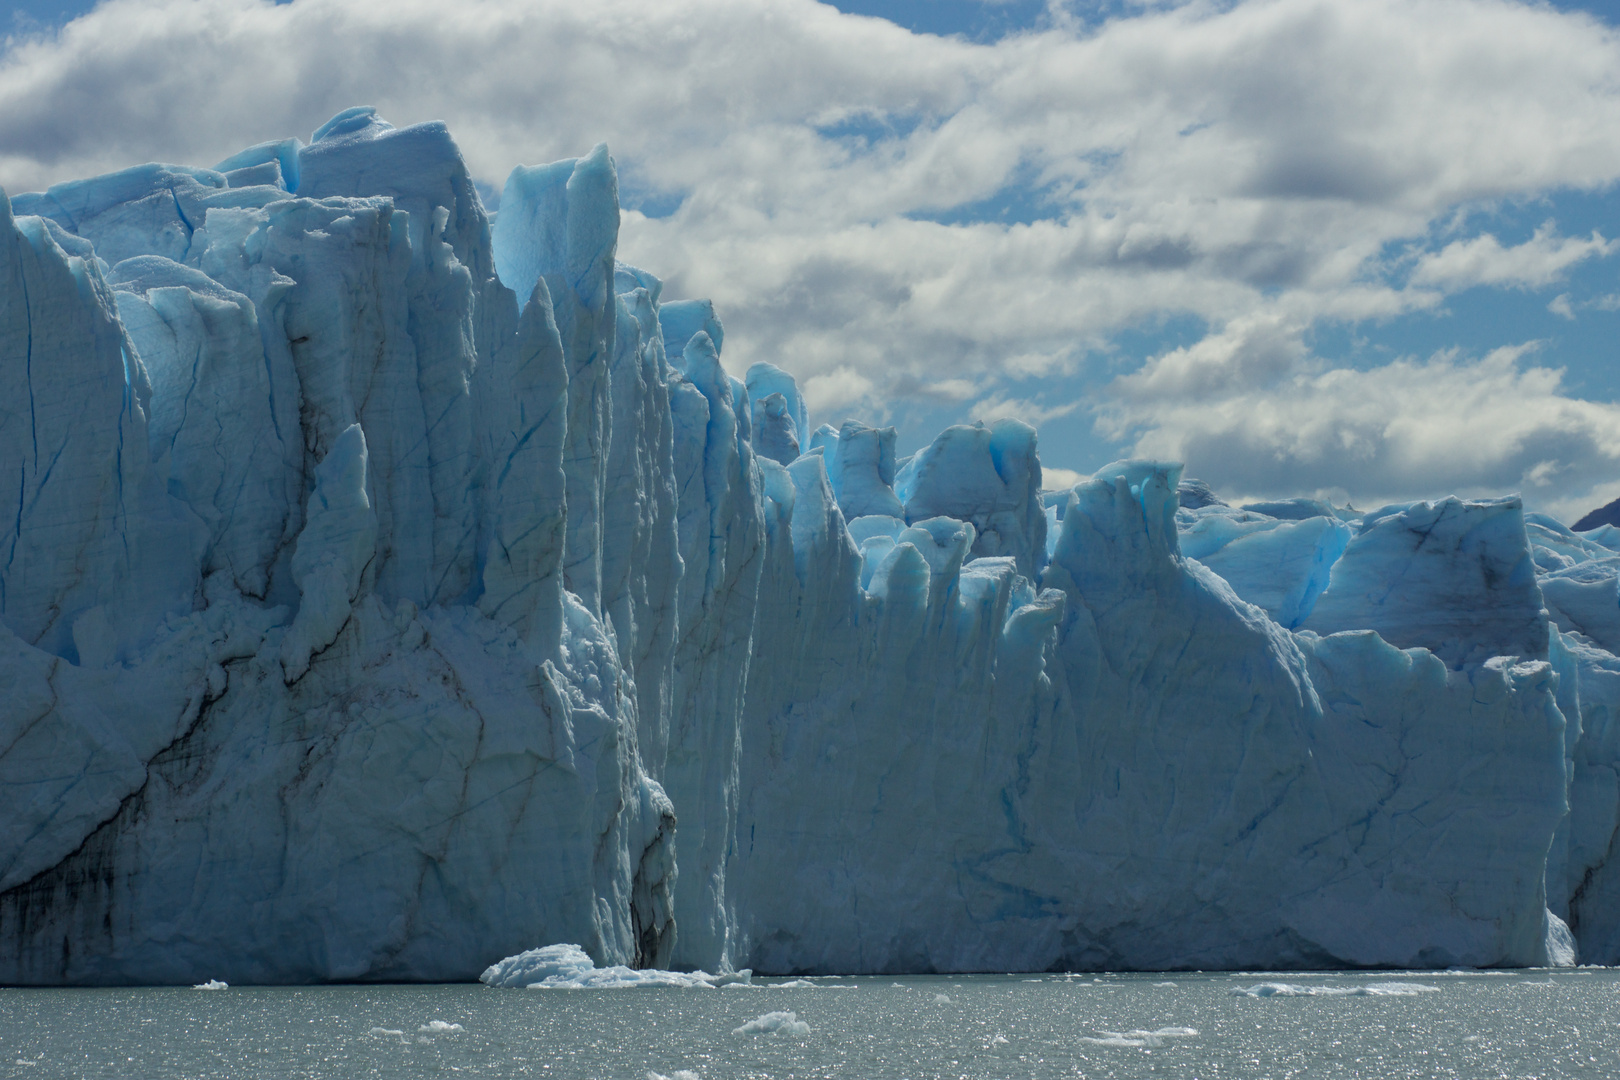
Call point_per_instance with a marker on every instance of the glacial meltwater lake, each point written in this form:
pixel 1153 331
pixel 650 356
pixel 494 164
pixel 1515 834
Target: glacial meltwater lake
pixel 1351 1025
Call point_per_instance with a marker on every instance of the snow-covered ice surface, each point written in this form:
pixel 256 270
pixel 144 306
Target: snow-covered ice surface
pixel 387 594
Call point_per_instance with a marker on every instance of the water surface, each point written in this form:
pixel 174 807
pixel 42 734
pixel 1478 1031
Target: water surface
pixel 1563 1023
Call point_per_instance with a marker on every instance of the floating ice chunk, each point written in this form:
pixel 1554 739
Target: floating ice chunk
pixel 942 999
pixel 679 1074
pixel 805 984
pixel 550 962
pixel 567 967
pixel 774 1023
pixel 439 1027
pixel 1387 989
pixel 1129 1039
pixel 395 1032
pixel 212 984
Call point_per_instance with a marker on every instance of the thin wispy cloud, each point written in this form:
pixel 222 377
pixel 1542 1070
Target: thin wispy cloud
pixel 1482 260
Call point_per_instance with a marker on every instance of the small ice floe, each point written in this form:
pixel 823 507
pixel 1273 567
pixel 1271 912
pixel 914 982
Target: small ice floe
pixel 391 1032
pixel 774 1023
pixel 439 1027
pixel 1384 989
pixel 799 983
pixel 1170 984
pixel 942 999
pixel 1130 1039
pixel 213 984
pixel 678 1074
pixel 567 967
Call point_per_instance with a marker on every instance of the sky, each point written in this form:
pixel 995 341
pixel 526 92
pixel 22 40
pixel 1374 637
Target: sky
pixel 1357 249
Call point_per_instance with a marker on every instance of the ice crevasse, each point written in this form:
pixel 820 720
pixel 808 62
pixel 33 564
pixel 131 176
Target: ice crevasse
pixel 388 587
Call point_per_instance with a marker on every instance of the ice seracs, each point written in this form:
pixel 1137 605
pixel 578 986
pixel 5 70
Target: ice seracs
pixel 387 593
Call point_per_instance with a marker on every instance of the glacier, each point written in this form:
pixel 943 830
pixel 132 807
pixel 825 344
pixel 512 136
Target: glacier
pixel 388 587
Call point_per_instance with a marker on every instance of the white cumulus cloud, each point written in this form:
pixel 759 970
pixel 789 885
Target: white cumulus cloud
pixel 1482 260
pixel 899 217
pixel 1405 430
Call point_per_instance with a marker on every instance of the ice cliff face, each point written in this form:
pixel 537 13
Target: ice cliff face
pixel 388 592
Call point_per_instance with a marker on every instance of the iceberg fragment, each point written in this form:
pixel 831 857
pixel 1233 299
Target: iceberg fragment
pixel 1132 1039
pixel 567 967
pixel 774 1023
pixel 1383 989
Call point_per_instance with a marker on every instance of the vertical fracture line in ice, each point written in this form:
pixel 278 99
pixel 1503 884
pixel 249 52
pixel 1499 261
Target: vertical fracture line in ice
pixel 561 222
pixel 722 548
pixel 641 562
pixel 33 415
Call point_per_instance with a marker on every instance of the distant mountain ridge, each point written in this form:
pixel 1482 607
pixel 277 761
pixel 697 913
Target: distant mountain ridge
pixel 1603 515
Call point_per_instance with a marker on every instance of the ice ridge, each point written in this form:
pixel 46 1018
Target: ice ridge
pixel 383 593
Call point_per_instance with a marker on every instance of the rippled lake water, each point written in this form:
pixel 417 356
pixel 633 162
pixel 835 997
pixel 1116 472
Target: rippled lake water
pixel 1510 1024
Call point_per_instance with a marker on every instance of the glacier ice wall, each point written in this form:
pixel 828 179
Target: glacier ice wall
pixel 389 591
